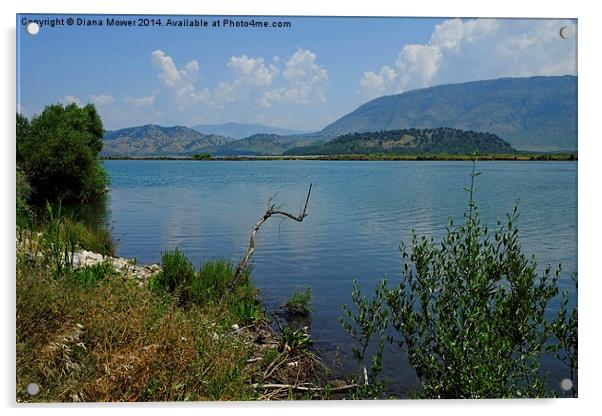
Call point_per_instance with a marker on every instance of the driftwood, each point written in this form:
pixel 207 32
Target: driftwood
pixel 303 387
pixel 272 211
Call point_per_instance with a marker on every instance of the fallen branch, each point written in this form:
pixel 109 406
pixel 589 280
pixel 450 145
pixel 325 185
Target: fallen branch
pixel 303 388
pixel 272 211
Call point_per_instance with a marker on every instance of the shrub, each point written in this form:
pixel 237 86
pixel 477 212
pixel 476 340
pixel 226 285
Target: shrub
pixel 246 310
pixel 365 324
pixel 470 311
pixel 176 275
pixel 299 303
pixel 58 152
pixel 209 286
pixel 212 280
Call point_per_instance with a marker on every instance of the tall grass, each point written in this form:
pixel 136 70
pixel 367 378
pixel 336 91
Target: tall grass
pixel 92 335
pixel 299 303
pixel 209 286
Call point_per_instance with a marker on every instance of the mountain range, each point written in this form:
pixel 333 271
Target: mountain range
pixel 241 130
pixel 153 140
pixel 535 114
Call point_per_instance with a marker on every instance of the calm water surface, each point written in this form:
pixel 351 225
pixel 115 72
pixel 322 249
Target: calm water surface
pixel 359 212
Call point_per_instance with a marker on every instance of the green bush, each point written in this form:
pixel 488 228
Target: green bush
pixel 299 303
pixel 58 152
pixel 176 275
pixel 366 323
pixel 246 310
pixel 470 311
pixel 209 286
pixel 211 282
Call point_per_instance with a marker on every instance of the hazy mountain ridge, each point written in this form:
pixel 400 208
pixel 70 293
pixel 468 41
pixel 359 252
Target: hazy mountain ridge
pixel 242 130
pixel 154 140
pixel 536 113
pixel 441 140
pixel 267 144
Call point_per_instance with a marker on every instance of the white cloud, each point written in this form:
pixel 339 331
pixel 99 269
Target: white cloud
pixel 71 99
pixel 464 50
pixel 147 101
pixel 252 81
pixel 102 99
pixel 252 71
pixel 305 81
pixel 170 74
pixel 379 82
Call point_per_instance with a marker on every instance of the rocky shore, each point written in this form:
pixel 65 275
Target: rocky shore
pixel 128 267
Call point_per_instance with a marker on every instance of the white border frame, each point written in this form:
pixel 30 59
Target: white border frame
pixel 589 194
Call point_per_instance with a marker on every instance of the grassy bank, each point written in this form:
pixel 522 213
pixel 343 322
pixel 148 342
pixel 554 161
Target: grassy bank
pixel 95 334
pixel 371 157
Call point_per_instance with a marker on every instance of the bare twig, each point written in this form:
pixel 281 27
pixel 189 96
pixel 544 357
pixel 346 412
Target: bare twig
pixel 303 388
pixel 272 211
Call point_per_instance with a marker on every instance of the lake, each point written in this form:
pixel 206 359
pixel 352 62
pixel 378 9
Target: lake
pixel 359 212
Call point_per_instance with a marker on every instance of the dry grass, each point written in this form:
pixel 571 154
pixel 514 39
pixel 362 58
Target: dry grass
pixel 93 334
pixel 117 341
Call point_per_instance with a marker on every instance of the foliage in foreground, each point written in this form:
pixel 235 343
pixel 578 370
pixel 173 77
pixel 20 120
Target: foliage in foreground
pixel 91 334
pixel 57 151
pixel 209 286
pixel 470 311
pixel 366 323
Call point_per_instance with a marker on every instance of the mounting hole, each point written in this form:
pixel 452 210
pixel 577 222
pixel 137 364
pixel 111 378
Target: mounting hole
pixel 566 32
pixel 566 384
pixel 33 389
pixel 33 28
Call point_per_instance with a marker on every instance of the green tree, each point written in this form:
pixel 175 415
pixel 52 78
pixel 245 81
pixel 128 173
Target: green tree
pixel 22 134
pixel 58 152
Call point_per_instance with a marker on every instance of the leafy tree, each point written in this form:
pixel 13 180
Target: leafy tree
pixel 58 152
pixel 22 133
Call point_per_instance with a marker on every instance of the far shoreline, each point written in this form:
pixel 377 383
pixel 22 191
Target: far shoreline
pixel 522 157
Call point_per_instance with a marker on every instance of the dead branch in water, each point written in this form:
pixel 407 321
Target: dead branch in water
pixel 272 211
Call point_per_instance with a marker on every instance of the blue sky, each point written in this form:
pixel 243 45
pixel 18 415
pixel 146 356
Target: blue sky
pixel 302 77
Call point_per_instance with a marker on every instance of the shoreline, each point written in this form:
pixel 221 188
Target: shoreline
pixel 536 157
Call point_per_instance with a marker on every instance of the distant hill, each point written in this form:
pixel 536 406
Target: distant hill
pixel 266 144
pixel 537 113
pixel 410 141
pixel 153 140
pixel 241 130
